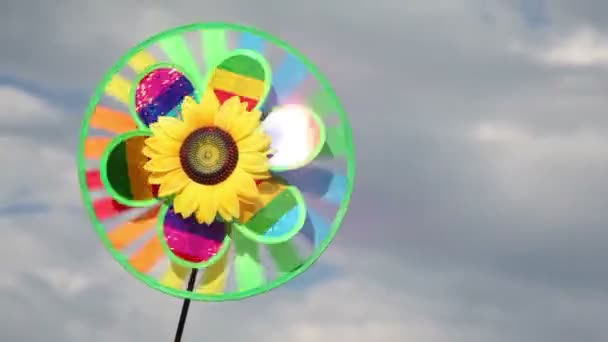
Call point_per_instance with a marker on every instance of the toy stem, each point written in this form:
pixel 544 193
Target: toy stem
pixel 185 307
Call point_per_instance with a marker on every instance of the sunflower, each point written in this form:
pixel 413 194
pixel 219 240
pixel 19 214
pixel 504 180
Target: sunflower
pixel 210 160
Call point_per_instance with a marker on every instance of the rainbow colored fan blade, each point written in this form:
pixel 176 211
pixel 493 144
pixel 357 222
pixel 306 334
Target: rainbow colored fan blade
pixel 299 205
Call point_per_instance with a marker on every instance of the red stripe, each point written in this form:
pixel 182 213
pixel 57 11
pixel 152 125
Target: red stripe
pixel 223 96
pixel 106 208
pixel 155 188
pixel 94 180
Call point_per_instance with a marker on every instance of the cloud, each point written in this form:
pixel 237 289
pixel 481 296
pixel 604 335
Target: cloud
pixel 20 107
pixel 582 48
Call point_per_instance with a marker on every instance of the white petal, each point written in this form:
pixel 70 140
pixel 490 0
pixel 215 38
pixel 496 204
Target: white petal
pixel 296 135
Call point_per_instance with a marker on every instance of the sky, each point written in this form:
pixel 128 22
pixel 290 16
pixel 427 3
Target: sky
pixel 478 211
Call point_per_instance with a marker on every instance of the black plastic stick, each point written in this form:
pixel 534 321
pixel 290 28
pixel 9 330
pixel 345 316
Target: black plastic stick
pixel 185 307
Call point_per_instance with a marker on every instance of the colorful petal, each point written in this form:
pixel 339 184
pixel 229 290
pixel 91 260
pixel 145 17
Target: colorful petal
pixel 122 170
pixel 297 136
pixel 159 93
pixel 277 217
pixel 191 243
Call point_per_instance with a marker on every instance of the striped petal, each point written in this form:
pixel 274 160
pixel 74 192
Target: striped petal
pixel 159 93
pixel 123 173
pixel 279 214
pixel 191 243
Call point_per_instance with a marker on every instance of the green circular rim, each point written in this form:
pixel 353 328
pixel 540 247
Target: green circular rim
pixel 154 283
pixel 103 170
pixel 141 76
pixel 259 238
pixel 198 265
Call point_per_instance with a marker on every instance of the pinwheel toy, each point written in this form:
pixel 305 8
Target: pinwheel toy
pixel 216 163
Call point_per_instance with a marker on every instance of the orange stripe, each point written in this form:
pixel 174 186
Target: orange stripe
pixel 134 229
pixel 138 176
pixel 147 256
pixel 112 120
pixel 95 146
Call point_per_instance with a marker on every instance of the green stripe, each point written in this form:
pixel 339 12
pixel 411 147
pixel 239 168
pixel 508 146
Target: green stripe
pixel 215 46
pixel 244 65
pixel 324 104
pixel 271 213
pixel 248 268
pixel 176 47
pixel 118 171
pixel 335 144
pixel 285 256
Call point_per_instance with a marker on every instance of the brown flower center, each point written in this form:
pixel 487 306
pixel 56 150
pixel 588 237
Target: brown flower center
pixel 209 155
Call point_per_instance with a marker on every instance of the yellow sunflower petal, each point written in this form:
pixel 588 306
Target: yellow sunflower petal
pixel 260 175
pixel 228 204
pixel 195 115
pixel 244 184
pixel 227 115
pixel 162 164
pixel 209 103
pixel 253 162
pixel 255 142
pixel 173 127
pixel 150 153
pixel 243 107
pixel 156 129
pixel 173 182
pixel 157 177
pixel 163 145
pixel 255 114
pixel 245 126
pixel 187 201
pixel 207 208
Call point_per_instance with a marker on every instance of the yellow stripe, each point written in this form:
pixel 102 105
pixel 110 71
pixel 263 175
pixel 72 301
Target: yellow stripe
pixel 175 277
pixel 237 84
pixel 138 176
pixel 119 88
pixel 214 279
pixel 141 61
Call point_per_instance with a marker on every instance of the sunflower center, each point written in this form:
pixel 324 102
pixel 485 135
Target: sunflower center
pixel 209 155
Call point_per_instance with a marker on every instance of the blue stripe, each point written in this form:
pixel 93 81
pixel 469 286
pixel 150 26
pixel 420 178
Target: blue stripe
pixel 251 42
pixel 285 224
pixel 336 190
pixel 320 226
pixel 316 228
pixel 167 101
pixel 289 76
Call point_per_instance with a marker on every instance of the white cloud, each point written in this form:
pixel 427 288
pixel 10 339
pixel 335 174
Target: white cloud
pixel 581 48
pixel 20 107
pixel 526 144
pixel 39 173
